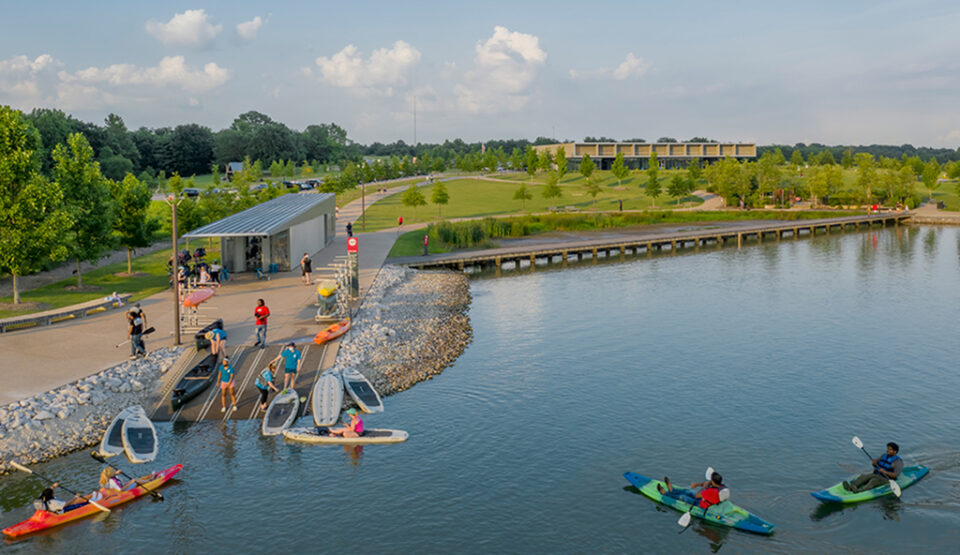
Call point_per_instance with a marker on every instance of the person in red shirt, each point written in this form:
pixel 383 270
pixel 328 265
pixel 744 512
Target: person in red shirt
pixel 707 496
pixel 261 313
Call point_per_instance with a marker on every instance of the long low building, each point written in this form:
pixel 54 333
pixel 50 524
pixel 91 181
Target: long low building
pixel 637 155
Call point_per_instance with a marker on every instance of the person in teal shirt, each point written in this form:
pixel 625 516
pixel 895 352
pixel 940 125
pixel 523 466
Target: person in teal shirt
pixel 264 383
pixel 226 383
pixel 292 360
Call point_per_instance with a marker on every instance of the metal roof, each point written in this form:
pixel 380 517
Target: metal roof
pixel 263 219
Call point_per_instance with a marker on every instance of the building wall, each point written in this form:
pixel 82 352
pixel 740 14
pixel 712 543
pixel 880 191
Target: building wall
pixel 307 237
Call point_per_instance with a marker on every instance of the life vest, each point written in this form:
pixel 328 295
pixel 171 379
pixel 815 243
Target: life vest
pixel 265 377
pixel 721 495
pixel 886 463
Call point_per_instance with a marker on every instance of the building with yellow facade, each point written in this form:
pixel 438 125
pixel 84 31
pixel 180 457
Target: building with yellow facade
pixel 637 155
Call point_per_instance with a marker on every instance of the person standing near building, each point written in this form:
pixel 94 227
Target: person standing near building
pixel 305 268
pixel 261 313
pixel 215 271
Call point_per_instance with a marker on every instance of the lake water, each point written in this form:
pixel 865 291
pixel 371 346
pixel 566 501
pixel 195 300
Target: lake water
pixel 762 362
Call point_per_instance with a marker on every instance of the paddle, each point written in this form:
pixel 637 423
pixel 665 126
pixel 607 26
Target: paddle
pixel 96 456
pixel 147 331
pixel 28 471
pixel 894 486
pixel 685 517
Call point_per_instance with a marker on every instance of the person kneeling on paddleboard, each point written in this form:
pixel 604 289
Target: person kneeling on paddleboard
pixel 709 495
pixel 886 468
pixel 354 428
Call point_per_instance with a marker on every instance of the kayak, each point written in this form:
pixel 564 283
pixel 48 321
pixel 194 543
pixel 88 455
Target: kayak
pixel 194 382
pixel 194 299
pixel 42 520
pixel 838 494
pixel 332 332
pixel 724 513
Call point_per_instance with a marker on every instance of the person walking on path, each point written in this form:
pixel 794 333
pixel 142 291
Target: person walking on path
pixel 218 341
pixel 264 383
pixel 226 384
pixel 305 269
pixel 261 313
pixel 349 229
pixel 292 361
pixel 135 323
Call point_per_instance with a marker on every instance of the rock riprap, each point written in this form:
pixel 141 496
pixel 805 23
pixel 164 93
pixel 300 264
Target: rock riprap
pixel 412 325
pixel 76 415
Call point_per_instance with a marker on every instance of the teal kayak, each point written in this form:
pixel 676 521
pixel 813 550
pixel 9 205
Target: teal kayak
pixel 838 494
pixel 724 513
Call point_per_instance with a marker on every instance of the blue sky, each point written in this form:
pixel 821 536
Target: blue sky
pixel 830 72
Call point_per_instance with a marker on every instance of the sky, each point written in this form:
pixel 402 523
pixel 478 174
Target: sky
pixel 845 72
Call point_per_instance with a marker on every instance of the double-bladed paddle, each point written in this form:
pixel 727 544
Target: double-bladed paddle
pixel 28 471
pixel 685 517
pixel 100 458
pixel 894 486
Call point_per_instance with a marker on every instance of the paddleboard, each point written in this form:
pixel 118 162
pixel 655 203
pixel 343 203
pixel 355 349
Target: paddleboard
pixel 838 494
pixel 332 332
pixel 327 399
pixel 362 391
pixel 311 435
pixel 112 443
pixel 139 437
pixel 198 296
pixel 281 412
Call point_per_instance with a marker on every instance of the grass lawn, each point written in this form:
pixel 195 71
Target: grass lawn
pixel 346 197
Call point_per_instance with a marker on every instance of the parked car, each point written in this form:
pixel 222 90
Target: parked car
pixel 258 187
pixel 305 186
pixel 191 192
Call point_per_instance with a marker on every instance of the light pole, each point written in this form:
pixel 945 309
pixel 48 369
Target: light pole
pixel 363 207
pixel 175 265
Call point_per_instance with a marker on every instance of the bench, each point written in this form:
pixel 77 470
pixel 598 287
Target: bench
pixel 59 314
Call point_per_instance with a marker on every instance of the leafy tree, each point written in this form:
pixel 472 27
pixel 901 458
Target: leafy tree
pixel 440 197
pixel 87 198
pixel 561 161
pixel 289 169
pixel 778 157
pixel 523 195
pixel 531 159
pixel 188 150
pixel 679 187
pixel 797 159
pixel 113 166
pixel 413 197
pixel 653 189
pixel 847 160
pixel 552 188
pixel 54 127
pixel 768 174
pixel 516 159
pixel 619 169
pixel 587 168
pixel 694 171
pixel 545 160
pixel 215 175
pixel 133 225
pixel 32 219
pixel 593 189
pixel 866 174
pixel 930 175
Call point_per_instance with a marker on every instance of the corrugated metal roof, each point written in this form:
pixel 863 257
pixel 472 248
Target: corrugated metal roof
pixel 263 219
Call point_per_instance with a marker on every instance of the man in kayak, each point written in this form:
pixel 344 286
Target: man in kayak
pixel 707 496
pixel 292 361
pixel 886 468
pixel 354 428
pixel 226 383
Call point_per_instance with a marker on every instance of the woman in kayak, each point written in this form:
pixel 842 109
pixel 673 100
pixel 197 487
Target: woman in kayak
pixel 709 495
pixel 109 486
pixel 354 428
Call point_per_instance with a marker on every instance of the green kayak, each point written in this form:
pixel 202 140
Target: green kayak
pixel 839 494
pixel 725 513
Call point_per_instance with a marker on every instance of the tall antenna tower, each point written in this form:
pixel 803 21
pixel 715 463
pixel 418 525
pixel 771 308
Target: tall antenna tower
pixel 414 121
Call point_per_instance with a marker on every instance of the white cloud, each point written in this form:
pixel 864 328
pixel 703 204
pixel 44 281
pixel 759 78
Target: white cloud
pixel 248 29
pixel 190 28
pixel 172 71
pixel 193 101
pixel 24 80
pixel 384 69
pixel 505 66
pixel 631 66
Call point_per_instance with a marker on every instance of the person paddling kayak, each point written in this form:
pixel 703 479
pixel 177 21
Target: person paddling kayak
pixel 886 468
pixel 707 496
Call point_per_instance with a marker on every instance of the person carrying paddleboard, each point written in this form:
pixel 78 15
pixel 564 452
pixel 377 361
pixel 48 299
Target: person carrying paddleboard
pixel 226 384
pixel 707 496
pixel 292 360
pixel 886 468
pixel 354 428
pixel 264 383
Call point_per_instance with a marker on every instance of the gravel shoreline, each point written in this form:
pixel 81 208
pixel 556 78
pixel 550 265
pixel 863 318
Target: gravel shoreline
pixel 75 415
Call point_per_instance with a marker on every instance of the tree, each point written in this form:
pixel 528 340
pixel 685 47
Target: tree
pixel 516 159
pixel 679 187
pixel 768 174
pixel 552 188
pixel 531 159
pixel 653 189
pixel 413 197
pixel 797 158
pixel 930 175
pixel 523 195
pixel 866 174
pixel 33 222
pixel 847 160
pixel 546 160
pixel 695 171
pixel 587 167
pixel 440 196
pixel 561 161
pixel 826 157
pixel 778 157
pixel 87 198
pixel 619 169
pixel 133 225
pixel 215 175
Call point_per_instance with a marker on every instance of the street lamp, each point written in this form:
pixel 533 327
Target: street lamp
pixel 174 261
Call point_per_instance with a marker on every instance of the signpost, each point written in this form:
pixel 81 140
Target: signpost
pixel 353 267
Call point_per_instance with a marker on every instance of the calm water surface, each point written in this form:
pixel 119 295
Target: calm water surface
pixel 762 363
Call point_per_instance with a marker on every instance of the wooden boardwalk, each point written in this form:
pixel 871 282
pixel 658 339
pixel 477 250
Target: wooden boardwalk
pixel 531 255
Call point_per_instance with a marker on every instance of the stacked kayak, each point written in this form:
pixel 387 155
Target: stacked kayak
pixel 332 332
pixel 838 494
pixel 724 513
pixel 43 520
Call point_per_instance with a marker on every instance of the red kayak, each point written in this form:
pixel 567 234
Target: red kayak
pixel 42 520
pixel 332 332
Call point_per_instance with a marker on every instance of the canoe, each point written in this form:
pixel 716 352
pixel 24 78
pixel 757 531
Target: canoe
pixel 838 494
pixel 332 332
pixel 327 287
pixel 327 399
pixel 200 295
pixel 43 520
pixel 139 437
pixel 194 382
pixel 112 443
pixel 724 513
pixel 373 436
pixel 281 413
pixel 361 391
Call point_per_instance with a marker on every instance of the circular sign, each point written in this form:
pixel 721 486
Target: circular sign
pixel 352 244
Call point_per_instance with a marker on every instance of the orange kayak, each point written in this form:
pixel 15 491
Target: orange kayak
pixel 197 297
pixel 42 520
pixel 332 332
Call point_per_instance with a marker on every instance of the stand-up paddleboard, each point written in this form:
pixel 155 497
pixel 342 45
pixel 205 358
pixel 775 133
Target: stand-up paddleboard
pixel 839 494
pixel 327 399
pixel 139 437
pixel 281 412
pixel 313 435
pixel 112 443
pixel 200 295
pixel 362 391
pixel 332 332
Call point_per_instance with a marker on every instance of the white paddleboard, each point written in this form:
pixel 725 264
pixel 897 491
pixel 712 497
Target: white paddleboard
pixel 372 436
pixel 139 437
pixel 327 399
pixel 362 391
pixel 281 412
pixel 112 443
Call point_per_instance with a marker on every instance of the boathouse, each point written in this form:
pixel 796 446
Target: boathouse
pixel 637 155
pixel 275 234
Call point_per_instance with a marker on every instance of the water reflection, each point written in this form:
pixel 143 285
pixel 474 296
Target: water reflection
pixel 714 534
pixel 354 452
